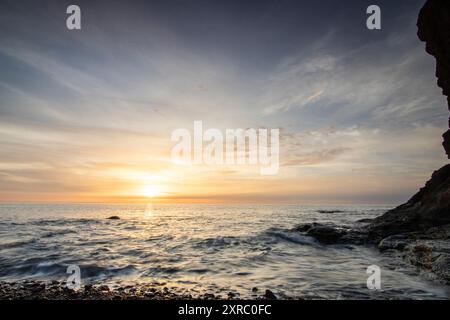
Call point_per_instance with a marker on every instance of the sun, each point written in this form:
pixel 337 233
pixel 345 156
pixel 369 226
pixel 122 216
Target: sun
pixel 150 190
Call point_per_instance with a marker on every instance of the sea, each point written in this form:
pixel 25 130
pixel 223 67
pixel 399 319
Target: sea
pixel 218 249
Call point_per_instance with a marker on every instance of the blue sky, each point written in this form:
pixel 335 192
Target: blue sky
pixel 87 115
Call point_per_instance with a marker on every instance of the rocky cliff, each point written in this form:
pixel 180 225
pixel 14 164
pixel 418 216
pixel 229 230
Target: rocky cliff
pixel 428 208
pixel 434 29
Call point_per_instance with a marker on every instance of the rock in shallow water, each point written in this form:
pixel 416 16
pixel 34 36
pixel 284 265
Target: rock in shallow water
pixel 331 234
pixel 103 288
pixel 114 218
pixel 269 295
pixel 326 234
pixel 330 211
pixel 396 242
pixel 428 250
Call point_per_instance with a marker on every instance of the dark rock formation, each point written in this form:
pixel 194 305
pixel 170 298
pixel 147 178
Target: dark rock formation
pixel 269 295
pixel 326 234
pixel 114 218
pixel 427 208
pixel 428 250
pixel 331 234
pixel 434 29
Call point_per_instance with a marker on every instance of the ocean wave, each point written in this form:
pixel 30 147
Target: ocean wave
pixel 198 270
pixel 291 236
pixel 39 269
pixel 265 240
pixel 63 222
pixel 52 234
pixel 217 242
pixel 163 270
pixel 16 244
pixel 94 271
pixel 53 269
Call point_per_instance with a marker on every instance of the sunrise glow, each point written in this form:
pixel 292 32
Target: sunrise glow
pixel 150 191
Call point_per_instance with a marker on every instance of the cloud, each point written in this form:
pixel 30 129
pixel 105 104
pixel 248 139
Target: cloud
pixel 365 149
pixel 316 147
pixel 368 85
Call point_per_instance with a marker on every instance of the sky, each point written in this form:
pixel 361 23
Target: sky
pixel 87 115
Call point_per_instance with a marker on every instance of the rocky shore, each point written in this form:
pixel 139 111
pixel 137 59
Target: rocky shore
pixel 427 249
pixel 417 231
pixel 58 290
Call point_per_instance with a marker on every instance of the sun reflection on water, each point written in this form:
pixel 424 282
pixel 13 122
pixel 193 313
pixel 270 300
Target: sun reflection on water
pixel 149 211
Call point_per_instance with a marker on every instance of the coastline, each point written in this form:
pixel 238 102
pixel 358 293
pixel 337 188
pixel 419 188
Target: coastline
pixel 57 290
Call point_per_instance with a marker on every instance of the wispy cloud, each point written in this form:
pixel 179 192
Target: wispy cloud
pixel 362 86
